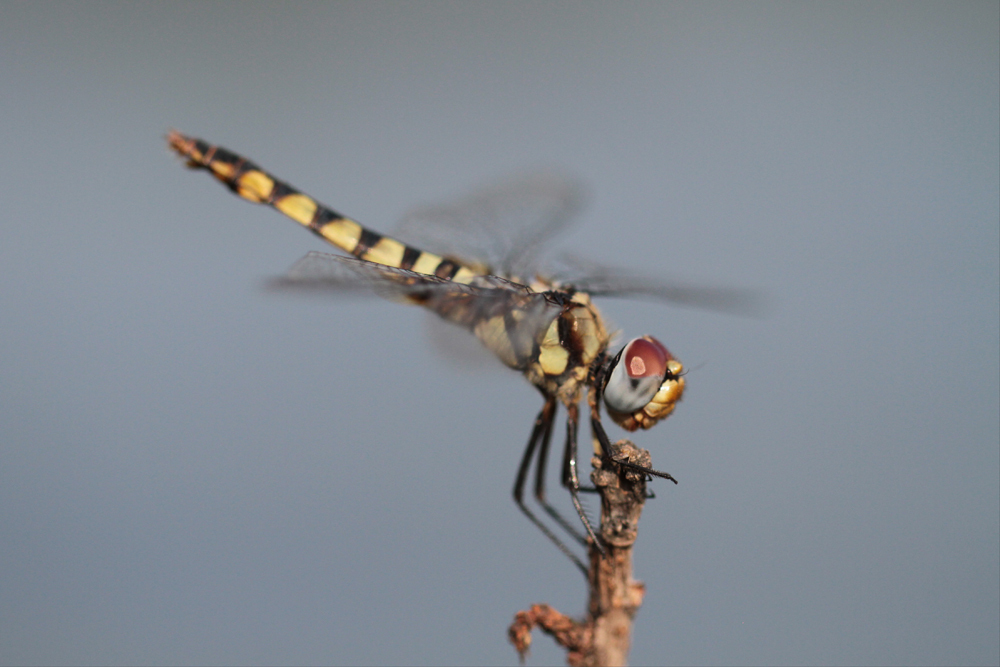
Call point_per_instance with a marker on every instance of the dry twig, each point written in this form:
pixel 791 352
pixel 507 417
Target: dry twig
pixel 604 636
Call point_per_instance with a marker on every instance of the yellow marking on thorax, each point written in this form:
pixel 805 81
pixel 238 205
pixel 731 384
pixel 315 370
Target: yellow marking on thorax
pixel 552 357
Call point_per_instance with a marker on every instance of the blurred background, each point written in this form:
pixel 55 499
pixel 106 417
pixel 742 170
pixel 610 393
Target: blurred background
pixel 196 471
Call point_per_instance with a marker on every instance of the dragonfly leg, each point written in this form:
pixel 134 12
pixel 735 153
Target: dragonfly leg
pixel 540 470
pixel 568 457
pixel 541 433
pixel 607 452
pixel 573 482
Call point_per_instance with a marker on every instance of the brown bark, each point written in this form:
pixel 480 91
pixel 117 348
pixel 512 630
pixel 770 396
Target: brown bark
pixel 604 636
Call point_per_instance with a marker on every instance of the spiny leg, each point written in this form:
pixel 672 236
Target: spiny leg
pixel 608 454
pixel 572 419
pixel 541 431
pixel 568 457
pixel 540 471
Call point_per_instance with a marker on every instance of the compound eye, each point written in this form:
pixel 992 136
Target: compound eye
pixel 636 374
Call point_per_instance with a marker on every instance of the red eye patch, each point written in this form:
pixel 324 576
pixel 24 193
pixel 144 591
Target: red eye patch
pixel 646 357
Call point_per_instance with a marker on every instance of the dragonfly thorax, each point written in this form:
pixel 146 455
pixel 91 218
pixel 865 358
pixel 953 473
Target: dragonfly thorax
pixel 564 349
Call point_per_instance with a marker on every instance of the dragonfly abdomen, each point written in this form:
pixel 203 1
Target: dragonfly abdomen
pixel 254 184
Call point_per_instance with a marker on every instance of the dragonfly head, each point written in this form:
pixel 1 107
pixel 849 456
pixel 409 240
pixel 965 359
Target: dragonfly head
pixel 644 383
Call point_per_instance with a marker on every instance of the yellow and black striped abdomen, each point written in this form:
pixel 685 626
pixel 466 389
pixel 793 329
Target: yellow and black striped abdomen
pixel 256 185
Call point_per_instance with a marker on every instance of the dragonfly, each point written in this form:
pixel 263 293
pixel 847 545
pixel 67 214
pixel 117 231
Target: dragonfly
pixel 548 329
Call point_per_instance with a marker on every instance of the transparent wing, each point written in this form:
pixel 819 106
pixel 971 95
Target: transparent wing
pixel 499 229
pixel 323 272
pixel 599 280
pixel 524 313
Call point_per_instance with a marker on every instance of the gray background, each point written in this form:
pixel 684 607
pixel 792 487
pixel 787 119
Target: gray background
pixel 195 471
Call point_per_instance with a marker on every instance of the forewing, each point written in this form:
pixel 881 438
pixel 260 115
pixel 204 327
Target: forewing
pixel 499 229
pixel 486 297
pixel 599 280
pixel 323 272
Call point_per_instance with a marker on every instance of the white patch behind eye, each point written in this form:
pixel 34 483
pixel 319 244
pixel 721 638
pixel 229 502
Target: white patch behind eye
pixel 630 386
